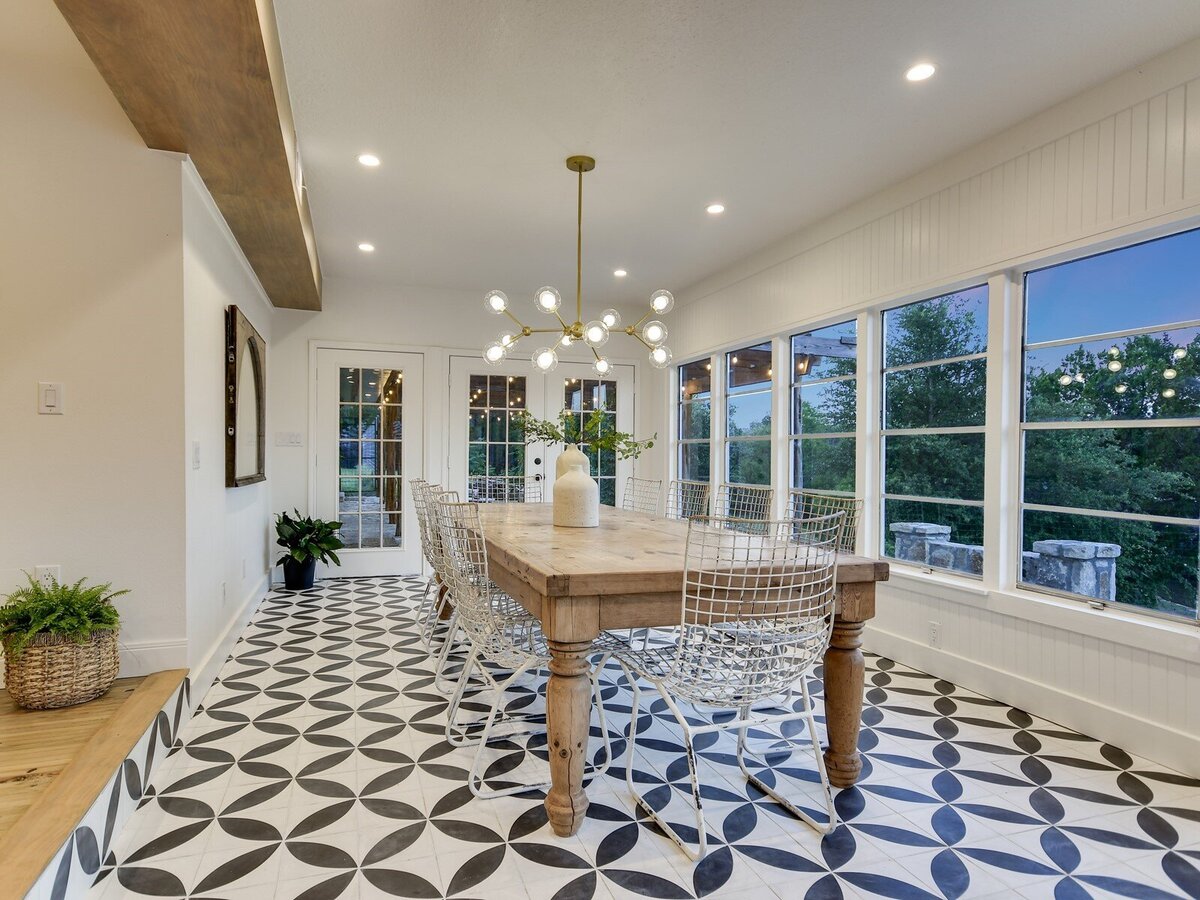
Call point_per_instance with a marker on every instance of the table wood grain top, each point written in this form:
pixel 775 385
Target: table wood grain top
pixel 629 552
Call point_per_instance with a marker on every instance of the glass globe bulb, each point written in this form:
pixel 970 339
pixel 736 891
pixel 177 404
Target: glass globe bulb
pixel 1178 353
pixel 602 366
pixel 566 340
pixel 595 333
pixel 545 359
pixel 662 302
pixel 1115 365
pixel 1169 393
pixel 611 318
pixel 494 353
pixel 1169 374
pixel 1121 388
pixel 506 339
pixel 660 357
pixel 547 299
pixel 654 333
pixel 496 302
pixel 1064 380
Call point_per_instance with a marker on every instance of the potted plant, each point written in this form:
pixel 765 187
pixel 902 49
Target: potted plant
pixel 60 642
pixel 307 542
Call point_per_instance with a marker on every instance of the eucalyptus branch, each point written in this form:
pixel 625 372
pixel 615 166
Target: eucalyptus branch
pixel 596 433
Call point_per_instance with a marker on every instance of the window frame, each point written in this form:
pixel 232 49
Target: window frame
pixel 727 440
pixel 795 387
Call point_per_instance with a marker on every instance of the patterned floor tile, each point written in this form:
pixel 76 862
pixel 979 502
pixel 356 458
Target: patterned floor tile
pixel 317 767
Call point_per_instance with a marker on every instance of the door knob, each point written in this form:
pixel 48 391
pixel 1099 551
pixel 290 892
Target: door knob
pixel 537 460
pixel 537 477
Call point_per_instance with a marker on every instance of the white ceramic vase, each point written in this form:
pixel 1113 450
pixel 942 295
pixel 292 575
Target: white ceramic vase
pixel 571 456
pixel 576 499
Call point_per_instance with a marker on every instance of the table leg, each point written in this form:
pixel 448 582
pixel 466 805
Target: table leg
pixel 843 702
pixel 568 717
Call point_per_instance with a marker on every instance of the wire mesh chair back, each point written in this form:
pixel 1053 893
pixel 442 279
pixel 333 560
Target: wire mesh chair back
pixel 532 491
pixel 421 507
pixel 810 505
pixel 686 499
pixel 499 628
pixel 757 608
pixel 493 489
pixel 642 495
pixel 745 503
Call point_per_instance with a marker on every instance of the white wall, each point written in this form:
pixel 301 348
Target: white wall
pixel 432 320
pixel 226 528
pixel 1118 162
pixel 91 296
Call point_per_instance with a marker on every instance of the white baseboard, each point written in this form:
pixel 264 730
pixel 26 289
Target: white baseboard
pixel 1151 740
pixel 206 670
pixel 147 657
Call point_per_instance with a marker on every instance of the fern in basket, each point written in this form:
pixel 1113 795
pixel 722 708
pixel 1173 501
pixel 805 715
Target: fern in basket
pixel 71 611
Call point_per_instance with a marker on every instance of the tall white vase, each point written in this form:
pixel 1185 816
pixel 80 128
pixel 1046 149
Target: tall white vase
pixel 576 499
pixel 571 456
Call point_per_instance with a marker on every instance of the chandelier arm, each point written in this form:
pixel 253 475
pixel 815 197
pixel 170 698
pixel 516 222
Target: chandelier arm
pixel 546 331
pixel 640 340
pixel 565 327
pixel 509 313
pixel 595 354
pixel 648 314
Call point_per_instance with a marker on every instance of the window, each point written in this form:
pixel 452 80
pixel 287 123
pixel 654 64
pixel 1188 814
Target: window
pixel 370 419
pixel 1111 427
pixel 695 420
pixel 824 388
pixel 496 448
pixel 581 396
pixel 748 415
pixel 934 379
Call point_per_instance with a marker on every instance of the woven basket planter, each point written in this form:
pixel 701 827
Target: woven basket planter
pixel 54 671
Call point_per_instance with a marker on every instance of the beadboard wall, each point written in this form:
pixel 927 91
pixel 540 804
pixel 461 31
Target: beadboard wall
pixel 1118 163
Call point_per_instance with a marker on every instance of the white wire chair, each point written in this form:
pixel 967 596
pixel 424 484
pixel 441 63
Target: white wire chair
pixel 744 506
pixel 686 499
pixel 427 609
pixel 498 489
pixel 804 504
pixel 756 616
pixel 532 492
pixel 642 495
pixel 501 633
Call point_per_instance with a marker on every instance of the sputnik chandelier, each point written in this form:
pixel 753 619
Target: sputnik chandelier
pixel 595 333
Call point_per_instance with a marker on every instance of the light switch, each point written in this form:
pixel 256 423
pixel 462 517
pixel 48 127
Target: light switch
pixel 195 454
pixel 50 398
pixel 289 439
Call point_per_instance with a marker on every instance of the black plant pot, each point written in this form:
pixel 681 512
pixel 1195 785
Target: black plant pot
pixel 298 576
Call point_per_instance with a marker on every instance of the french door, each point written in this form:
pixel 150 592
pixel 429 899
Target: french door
pixel 369 444
pixel 488 458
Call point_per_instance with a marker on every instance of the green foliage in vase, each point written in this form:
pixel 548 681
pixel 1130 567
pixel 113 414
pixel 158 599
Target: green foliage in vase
pixel 68 610
pixel 307 538
pixel 596 432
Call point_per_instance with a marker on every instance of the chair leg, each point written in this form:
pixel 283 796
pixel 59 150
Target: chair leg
pixel 456 734
pixel 598 700
pixel 745 723
pixel 447 645
pixel 697 804
pixel 475 778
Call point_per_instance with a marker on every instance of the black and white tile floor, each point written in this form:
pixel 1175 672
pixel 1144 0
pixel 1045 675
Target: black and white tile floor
pixel 317 768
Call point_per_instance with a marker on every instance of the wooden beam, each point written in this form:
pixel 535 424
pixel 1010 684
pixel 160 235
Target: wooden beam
pixel 206 79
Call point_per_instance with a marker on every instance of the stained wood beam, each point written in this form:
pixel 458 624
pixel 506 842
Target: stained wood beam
pixel 206 79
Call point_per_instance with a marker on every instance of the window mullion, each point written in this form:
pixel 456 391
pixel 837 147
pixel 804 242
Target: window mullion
pixel 1001 422
pixel 868 468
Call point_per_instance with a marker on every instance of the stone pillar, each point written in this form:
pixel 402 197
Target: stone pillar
pixel 1088 568
pixel 913 539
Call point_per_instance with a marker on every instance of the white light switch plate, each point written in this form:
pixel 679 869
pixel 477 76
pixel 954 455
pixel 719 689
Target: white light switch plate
pixel 50 398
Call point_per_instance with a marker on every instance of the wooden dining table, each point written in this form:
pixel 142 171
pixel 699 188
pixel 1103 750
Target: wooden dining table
pixel 628 573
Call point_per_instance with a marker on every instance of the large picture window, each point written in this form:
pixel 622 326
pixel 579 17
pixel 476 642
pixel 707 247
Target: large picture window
pixel 824 407
pixel 1111 427
pixel 748 415
pixel 934 401
pixel 695 420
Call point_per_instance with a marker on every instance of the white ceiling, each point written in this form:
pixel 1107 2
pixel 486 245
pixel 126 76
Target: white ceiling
pixel 783 111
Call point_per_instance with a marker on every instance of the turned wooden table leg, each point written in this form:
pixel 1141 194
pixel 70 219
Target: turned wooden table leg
pixel 568 715
pixel 444 609
pixel 843 702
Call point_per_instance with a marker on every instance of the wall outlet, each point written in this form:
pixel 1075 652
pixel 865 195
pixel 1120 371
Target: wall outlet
pixel 195 454
pixel 224 594
pixel 47 575
pixel 935 634
pixel 289 439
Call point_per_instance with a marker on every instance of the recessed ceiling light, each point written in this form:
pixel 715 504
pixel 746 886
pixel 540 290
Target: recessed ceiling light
pixel 370 160
pixel 366 248
pixel 620 273
pixel 920 72
pixel 714 209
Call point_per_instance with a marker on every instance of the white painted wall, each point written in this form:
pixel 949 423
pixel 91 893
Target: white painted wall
pixel 91 296
pixel 226 528
pixel 433 321
pixel 1117 163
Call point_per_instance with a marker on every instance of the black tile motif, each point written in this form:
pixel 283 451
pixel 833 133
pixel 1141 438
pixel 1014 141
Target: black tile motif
pixel 317 768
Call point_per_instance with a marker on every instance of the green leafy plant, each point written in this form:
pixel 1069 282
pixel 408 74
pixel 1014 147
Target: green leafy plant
pixel 596 432
pixel 306 538
pixel 73 611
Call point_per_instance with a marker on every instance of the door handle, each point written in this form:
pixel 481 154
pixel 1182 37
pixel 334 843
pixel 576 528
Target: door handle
pixel 537 477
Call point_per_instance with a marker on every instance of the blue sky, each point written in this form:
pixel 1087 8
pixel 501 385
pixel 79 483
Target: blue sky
pixel 1134 287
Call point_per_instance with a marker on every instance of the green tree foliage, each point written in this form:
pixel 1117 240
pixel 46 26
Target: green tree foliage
pixel 1143 470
